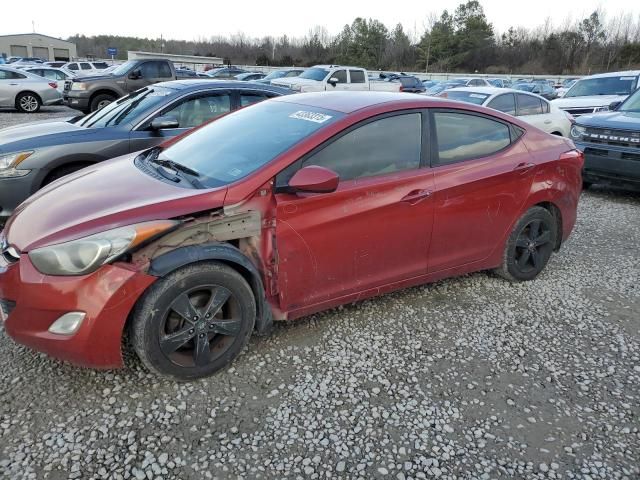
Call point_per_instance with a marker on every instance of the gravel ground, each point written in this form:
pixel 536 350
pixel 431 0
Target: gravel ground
pixel 9 117
pixel 471 377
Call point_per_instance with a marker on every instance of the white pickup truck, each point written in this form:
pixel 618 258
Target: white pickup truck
pixel 331 78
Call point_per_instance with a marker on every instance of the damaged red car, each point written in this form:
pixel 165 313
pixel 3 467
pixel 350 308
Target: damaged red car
pixel 286 208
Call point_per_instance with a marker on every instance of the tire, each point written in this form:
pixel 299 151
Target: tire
pixel 190 345
pixel 27 102
pixel 101 101
pixel 62 172
pixel 529 246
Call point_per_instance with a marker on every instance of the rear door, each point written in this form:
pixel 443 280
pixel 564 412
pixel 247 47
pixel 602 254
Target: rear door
pixel 532 109
pixel 482 176
pixel 374 230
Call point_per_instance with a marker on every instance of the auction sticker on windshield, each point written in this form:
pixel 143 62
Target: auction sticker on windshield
pixel 310 116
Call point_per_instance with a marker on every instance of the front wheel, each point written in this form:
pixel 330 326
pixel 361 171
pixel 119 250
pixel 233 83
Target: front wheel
pixel 529 246
pixel 194 321
pixel 101 101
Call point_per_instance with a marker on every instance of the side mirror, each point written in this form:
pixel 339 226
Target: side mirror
pixel 161 123
pixel 135 74
pixel 614 105
pixel 333 81
pixel 314 179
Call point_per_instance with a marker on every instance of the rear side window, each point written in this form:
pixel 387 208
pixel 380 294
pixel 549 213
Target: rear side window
pixel 72 66
pixel 357 76
pixel 100 65
pixel 504 103
pixel 529 105
pixel 156 70
pixel 85 66
pixel 464 137
pixel 384 146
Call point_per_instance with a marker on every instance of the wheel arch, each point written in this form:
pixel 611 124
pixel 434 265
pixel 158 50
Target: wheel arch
pixel 555 211
pixel 104 91
pixel 15 101
pixel 224 253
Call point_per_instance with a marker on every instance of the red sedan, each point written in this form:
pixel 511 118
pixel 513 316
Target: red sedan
pixel 277 211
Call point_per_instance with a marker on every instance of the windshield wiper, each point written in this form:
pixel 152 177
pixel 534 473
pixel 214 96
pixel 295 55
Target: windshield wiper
pixel 180 169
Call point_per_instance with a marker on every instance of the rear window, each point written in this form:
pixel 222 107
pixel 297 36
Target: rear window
pixel 465 96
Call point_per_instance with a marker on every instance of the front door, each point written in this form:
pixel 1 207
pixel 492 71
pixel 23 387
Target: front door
pixel 343 81
pixel 373 231
pixel 482 176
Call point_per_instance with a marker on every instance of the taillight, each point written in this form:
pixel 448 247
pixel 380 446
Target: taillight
pixel 402 88
pixel 573 154
pixel 53 84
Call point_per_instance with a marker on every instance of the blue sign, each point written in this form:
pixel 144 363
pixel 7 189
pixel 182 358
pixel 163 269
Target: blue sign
pixel 112 52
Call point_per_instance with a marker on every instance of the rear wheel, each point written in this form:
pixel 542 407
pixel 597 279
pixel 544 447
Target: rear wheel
pixel 529 246
pixel 101 101
pixel 194 321
pixel 28 102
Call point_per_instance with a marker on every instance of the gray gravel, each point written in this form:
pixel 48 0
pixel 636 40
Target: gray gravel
pixel 471 377
pixel 9 117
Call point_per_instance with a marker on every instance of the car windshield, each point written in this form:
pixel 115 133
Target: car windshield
pixel 126 109
pixel 315 74
pixel 124 68
pixel 276 74
pixel 631 104
pixel 237 144
pixel 465 96
pixel 619 85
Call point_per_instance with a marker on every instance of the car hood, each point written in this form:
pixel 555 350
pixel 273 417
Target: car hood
pixel 594 101
pixel 92 78
pixel 108 195
pixel 38 134
pixel 612 120
pixel 289 82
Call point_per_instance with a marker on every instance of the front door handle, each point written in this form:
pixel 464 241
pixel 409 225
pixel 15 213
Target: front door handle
pixel 547 122
pixel 415 196
pixel 523 167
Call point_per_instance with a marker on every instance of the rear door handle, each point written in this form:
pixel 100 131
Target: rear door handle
pixel 415 196
pixel 523 167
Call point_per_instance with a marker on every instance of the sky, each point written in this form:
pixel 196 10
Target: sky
pixel 191 19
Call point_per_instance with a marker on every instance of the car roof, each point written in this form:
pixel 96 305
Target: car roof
pixel 349 102
pixel 627 73
pixel 194 83
pixel 483 90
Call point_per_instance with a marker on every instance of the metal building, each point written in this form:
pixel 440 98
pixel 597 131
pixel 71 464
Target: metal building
pixel 36 45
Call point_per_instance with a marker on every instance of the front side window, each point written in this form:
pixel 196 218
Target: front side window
pixel 72 66
pixel 250 97
pixel 529 105
pixel 463 137
pixel 357 76
pixel 196 111
pixel 341 75
pixel 504 103
pixel 388 145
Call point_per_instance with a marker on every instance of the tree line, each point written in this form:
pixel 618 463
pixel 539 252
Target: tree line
pixel 460 41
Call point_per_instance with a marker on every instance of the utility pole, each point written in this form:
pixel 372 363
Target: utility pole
pixel 33 25
pixel 161 44
pixel 426 68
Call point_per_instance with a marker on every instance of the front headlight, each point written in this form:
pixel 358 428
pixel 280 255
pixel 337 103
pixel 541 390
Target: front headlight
pixel 78 86
pixel 86 255
pixel 577 131
pixel 13 159
pixel 10 161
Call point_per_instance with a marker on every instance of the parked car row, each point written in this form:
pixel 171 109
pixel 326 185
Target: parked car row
pixel 184 246
pixel 25 91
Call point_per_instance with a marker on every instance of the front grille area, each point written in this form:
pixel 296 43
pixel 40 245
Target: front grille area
pixel 616 138
pixel 576 112
pixel 67 85
pixel 7 307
